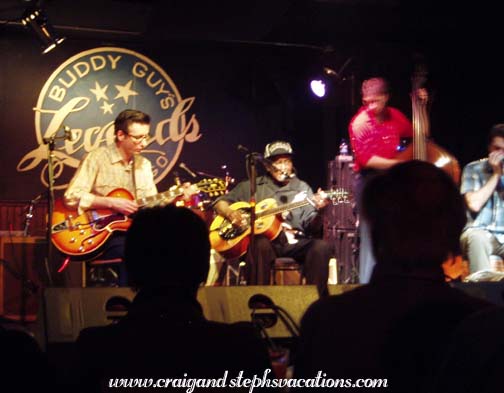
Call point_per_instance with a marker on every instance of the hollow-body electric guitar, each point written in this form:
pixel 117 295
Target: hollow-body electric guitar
pixel 84 234
pixel 232 242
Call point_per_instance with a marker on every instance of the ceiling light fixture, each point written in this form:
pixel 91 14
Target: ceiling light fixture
pixel 36 20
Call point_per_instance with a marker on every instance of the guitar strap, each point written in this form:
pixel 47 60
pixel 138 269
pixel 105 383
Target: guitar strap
pixel 133 177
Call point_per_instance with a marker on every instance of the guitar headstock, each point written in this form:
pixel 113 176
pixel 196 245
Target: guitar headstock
pixel 338 195
pixel 213 187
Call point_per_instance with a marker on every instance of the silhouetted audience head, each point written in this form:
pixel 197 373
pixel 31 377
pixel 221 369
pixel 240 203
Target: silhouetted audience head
pixel 167 246
pixel 25 367
pixel 416 215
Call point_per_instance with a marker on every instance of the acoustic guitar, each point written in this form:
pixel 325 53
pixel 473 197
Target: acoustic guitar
pixel 232 242
pixel 84 234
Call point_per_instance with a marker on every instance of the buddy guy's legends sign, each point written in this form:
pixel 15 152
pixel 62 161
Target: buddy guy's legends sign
pixel 89 90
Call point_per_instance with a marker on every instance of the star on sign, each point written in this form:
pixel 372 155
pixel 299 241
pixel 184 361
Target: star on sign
pixel 125 91
pixel 106 107
pixel 99 92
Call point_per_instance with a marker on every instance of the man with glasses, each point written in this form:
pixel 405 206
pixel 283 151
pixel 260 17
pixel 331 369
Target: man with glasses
pixel 110 167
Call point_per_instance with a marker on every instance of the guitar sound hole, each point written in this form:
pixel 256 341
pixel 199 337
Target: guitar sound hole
pixel 231 232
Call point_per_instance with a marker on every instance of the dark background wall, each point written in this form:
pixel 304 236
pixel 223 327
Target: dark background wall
pixel 248 70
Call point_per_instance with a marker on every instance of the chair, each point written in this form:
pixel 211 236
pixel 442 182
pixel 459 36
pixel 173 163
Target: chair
pixel 286 271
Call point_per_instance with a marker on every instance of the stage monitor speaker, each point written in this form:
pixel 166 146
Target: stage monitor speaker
pixel 64 312
pixel 22 275
pixel 230 304
pixel 341 288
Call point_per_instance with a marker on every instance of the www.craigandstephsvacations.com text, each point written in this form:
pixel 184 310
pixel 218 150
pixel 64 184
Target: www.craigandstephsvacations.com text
pixel 240 381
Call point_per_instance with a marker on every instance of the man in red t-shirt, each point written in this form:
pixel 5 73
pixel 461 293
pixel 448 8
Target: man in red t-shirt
pixel 375 132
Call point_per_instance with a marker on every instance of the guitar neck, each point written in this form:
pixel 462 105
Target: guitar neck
pixel 162 197
pixel 283 208
pixel 212 187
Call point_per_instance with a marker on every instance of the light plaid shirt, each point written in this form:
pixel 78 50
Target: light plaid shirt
pixel 102 171
pixel 491 216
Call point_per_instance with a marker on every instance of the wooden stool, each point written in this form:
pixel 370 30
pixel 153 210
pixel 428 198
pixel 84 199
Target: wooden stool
pixel 286 271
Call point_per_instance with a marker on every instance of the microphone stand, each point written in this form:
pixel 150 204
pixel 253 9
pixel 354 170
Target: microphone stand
pixel 50 142
pixel 252 170
pixel 251 159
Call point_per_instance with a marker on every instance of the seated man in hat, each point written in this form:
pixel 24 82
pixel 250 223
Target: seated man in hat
pixel 282 184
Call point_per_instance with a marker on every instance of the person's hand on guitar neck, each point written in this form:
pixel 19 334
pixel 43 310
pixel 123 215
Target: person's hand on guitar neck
pixel 188 190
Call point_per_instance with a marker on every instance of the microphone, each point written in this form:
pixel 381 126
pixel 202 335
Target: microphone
pixel 185 168
pixel 261 301
pixel 286 175
pixel 69 134
pixel 262 320
pixel 29 213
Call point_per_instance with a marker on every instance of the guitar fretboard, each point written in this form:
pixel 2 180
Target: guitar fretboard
pixel 283 208
pixel 163 197
pixel 334 195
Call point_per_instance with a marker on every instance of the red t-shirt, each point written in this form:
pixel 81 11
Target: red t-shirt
pixel 371 138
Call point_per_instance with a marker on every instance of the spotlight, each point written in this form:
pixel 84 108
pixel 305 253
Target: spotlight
pixel 36 20
pixel 318 87
pixel 321 84
pixel 327 79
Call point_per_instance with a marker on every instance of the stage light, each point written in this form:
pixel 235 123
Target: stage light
pixel 321 84
pixel 326 79
pixel 36 20
pixel 318 87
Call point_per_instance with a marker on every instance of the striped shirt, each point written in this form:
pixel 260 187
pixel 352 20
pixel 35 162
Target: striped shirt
pixel 102 171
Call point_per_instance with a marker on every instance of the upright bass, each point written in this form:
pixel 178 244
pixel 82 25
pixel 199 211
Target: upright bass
pixel 422 148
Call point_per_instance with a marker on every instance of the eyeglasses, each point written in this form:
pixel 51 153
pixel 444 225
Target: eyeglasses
pixel 138 138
